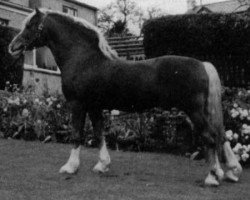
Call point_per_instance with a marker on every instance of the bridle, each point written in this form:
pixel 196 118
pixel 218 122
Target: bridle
pixel 37 34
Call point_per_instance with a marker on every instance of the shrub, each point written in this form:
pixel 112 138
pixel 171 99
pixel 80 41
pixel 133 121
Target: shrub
pixel 195 35
pixel 221 39
pixel 236 105
pixel 24 115
pixel 11 69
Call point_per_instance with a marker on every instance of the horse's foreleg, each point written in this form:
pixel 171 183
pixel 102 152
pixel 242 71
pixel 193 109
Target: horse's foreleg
pixel 78 121
pixel 104 157
pixel 234 168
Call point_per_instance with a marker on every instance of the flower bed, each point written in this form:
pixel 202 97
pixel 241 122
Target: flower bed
pixel 23 115
pixel 236 104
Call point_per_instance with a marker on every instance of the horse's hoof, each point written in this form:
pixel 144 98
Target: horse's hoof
pixel 220 174
pixel 211 180
pixel 234 173
pixel 100 168
pixel 69 168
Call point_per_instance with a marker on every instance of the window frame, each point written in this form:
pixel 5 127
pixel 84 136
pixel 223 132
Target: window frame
pixel 75 11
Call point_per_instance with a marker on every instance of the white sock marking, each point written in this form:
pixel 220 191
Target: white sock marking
pixel 73 162
pixel 104 159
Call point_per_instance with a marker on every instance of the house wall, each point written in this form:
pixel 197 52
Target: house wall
pixel 15 11
pixel 20 2
pixel 15 18
pixel 86 13
pixel 42 80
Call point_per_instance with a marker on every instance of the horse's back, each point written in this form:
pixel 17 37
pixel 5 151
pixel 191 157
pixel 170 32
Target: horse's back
pixel 160 82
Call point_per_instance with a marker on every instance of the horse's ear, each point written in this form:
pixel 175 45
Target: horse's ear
pixel 37 11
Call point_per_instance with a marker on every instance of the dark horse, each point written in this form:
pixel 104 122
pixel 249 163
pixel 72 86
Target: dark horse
pixel 94 78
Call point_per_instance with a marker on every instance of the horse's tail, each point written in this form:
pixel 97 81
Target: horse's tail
pixel 214 106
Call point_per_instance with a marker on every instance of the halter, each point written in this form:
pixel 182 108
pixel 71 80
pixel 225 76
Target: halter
pixel 38 33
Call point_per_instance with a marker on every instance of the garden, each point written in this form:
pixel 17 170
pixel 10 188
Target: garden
pixel 27 116
pixel 46 120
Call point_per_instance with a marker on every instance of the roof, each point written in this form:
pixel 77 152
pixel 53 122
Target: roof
pixel 28 10
pixel 230 6
pixel 17 6
pixel 77 2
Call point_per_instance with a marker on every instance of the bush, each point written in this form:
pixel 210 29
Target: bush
pixel 11 69
pixel 24 115
pixel 195 35
pixel 236 105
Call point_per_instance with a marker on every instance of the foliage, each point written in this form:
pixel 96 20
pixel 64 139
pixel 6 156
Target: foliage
pixel 236 104
pixel 11 68
pixel 24 115
pixel 116 15
pixel 154 130
pixel 197 35
pixel 116 18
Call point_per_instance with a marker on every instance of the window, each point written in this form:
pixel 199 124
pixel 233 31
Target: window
pixel 45 59
pixel 4 22
pixel 70 11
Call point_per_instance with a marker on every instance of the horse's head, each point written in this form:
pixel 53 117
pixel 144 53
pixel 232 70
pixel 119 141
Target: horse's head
pixel 30 36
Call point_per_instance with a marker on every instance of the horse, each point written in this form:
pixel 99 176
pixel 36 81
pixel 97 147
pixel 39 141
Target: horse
pixel 94 78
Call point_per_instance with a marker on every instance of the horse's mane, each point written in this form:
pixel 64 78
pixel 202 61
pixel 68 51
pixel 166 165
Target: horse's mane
pixel 102 42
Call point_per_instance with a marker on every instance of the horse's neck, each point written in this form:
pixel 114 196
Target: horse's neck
pixel 70 48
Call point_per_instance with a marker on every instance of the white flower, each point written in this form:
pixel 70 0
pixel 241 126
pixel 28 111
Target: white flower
pixel 25 112
pixel 10 101
pixel 24 101
pixel 53 98
pixel 244 156
pixel 235 105
pixel 16 101
pixel 237 148
pixel 5 109
pixel 48 100
pixel 36 100
pixel 58 106
pixel 248 148
pixel 236 136
pixel 247 137
pixel 235 114
pixel 244 126
pixel 243 113
pixel 39 121
pixel 229 134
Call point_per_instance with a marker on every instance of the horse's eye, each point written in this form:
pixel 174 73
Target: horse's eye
pixel 28 26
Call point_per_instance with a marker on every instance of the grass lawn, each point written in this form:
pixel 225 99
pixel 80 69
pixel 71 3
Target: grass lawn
pixel 29 171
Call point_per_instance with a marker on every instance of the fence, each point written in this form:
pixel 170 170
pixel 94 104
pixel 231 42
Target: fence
pixel 130 48
pixel 234 70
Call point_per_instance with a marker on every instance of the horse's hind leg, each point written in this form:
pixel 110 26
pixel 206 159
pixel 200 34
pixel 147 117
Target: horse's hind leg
pixel 78 121
pixel 208 136
pixel 234 167
pixel 104 161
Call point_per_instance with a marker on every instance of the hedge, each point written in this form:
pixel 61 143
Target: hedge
pixel 11 69
pixel 222 39
pixel 194 35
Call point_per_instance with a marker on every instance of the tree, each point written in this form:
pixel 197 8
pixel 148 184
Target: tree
pixel 115 18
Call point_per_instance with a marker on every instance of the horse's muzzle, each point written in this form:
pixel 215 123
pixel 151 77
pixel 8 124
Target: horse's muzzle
pixel 16 48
